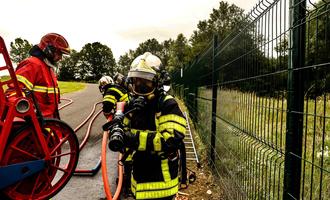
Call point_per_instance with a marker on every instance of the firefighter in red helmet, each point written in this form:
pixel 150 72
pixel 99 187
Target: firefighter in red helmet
pixel 36 73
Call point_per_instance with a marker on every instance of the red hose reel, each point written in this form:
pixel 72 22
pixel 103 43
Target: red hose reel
pixel 37 156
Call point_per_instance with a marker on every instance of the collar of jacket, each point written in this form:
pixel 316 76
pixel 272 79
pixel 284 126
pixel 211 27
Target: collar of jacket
pixel 37 52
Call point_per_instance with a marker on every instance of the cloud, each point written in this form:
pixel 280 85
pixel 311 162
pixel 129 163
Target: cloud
pixel 120 24
pixel 161 33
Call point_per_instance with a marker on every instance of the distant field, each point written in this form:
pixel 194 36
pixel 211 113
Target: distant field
pixel 65 87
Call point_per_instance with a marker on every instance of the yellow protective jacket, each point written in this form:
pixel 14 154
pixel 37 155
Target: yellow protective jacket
pixel 155 174
pixel 112 95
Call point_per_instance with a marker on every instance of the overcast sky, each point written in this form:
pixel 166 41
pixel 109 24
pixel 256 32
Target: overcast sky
pixel 119 24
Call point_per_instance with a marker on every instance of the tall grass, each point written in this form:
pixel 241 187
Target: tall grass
pixel 250 143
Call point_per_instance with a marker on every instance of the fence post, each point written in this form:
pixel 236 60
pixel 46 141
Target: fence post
pixel 195 100
pixel 214 99
pixel 295 100
pixel 185 85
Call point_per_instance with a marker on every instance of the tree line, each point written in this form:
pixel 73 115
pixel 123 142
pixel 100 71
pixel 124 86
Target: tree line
pixel 250 60
pixel 96 59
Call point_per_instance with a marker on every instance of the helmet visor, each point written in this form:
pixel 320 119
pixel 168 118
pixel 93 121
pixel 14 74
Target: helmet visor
pixel 142 86
pixel 65 51
pixel 141 74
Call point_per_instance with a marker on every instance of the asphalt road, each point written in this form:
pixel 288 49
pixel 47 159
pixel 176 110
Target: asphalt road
pixel 87 187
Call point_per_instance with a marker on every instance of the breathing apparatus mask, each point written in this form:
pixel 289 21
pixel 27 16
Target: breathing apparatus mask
pixel 142 91
pixel 142 87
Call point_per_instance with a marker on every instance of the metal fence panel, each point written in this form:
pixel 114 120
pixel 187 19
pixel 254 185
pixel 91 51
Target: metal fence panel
pixel 269 133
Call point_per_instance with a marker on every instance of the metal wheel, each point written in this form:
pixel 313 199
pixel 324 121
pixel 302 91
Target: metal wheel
pixel 24 146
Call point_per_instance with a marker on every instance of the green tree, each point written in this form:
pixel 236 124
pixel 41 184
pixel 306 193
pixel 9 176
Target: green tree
pixel 201 37
pixel 222 22
pixel 19 49
pixel 95 60
pixel 150 45
pixel 282 47
pixel 125 61
pixel 180 53
pixel 232 27
pixel 317 33
pixel 317 49
pixel 68 69
pixel 166 52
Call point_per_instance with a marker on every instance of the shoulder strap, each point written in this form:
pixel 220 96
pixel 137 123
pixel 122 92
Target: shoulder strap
pixel 162 99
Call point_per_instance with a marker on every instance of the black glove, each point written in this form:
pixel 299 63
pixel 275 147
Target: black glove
pixel 119 118
pixel 172 144
pixel 138 103
pixel 117 121
pixel 131 140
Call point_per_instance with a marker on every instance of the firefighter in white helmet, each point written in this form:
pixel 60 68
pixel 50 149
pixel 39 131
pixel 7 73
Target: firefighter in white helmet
pixel 154 131
pixel 112 93
pixel 104 80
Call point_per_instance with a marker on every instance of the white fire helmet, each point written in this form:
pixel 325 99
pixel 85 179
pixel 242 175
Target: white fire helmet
pixel 105 80
pixel 143 74
pixel 145 66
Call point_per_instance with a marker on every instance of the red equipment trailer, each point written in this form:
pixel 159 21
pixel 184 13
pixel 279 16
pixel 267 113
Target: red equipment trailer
pixel 37 155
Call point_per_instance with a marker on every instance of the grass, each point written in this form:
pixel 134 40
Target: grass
pixel 256 166
pixel 67 87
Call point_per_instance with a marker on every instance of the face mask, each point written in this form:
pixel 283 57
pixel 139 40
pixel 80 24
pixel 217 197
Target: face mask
pixel 142 87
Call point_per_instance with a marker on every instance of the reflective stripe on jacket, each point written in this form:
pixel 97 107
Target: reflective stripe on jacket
pixel 36 76
pixel 112 95
pixel 154 175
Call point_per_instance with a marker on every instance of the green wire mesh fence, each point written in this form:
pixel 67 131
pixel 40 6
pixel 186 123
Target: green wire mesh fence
pixel 260 100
